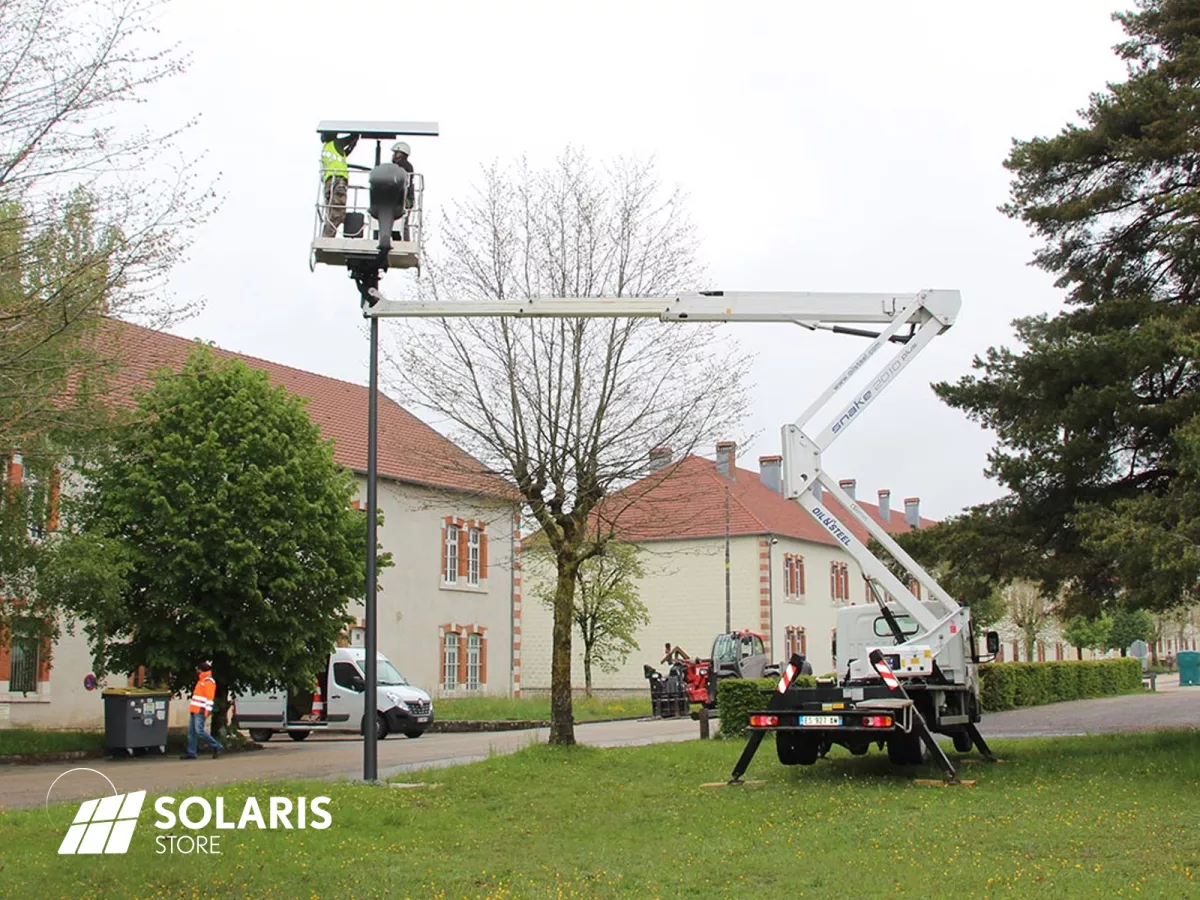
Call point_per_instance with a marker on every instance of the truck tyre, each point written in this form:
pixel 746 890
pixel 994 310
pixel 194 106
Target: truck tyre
pixel 261 735
pixel 381 727
pixel 299 735
pixel 414 733
pixel 963 742
pixel 796 749
pixel 907 750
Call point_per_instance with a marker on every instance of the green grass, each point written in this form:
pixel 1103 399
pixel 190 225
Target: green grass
pixel 20 741
pixel 31 740
pixel 538 708
pixel 1111 816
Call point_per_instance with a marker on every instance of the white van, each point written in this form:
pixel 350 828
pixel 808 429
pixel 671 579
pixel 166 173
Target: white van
pixel 400 708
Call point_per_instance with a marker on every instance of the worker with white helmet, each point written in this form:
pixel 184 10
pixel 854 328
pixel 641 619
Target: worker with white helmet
pixel 400 153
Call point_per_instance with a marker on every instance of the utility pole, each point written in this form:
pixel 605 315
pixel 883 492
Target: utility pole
pixel 365 259
pixel 728 624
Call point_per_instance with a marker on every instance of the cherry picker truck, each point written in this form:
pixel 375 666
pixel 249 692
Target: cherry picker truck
pixel 904 681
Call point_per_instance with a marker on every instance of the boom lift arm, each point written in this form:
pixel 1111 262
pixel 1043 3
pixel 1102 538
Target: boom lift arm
pixel 910 320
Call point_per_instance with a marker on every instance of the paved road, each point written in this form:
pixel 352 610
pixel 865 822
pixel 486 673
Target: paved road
pixel 332 758
pixel 1171 707
pixel 24 785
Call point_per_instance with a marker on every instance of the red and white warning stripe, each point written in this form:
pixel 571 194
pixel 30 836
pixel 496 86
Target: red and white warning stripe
pixel 786 681
pixel 884 670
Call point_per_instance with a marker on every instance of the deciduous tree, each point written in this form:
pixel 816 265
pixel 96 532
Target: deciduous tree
pixel 569 409
pixel 218 526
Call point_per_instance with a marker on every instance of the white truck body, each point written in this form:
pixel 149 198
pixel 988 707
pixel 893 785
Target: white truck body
pixel 400 707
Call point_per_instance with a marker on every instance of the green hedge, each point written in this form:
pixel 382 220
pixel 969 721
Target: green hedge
pixel 1012 685
pixel 738 697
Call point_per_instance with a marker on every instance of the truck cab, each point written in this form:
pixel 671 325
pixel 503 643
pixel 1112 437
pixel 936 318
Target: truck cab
pixel 337 703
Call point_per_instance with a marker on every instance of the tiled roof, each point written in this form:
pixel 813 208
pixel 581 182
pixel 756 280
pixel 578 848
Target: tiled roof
pixel 409 450
pixel 687 500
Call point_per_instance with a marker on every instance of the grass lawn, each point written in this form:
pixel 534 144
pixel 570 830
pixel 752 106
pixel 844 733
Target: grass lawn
pixel 15 741
pixel 1112 816
pixel 31 740
pixel 538 708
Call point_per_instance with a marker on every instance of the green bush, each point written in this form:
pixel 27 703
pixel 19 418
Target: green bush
pixel 738 697
pixel 1013 685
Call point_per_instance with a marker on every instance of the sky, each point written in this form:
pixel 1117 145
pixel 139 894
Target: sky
pixel 823 147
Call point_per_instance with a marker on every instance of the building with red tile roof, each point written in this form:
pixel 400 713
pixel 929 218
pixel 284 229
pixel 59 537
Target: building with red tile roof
pixel 449 606
pixel 787 575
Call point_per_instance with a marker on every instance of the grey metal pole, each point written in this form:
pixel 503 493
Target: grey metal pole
pixel 370 750
pixel 728 626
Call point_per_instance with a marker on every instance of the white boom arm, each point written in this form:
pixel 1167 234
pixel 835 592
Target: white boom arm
pixel 921 316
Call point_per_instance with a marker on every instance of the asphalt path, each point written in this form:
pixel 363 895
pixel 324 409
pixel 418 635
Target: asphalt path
pixel 341 757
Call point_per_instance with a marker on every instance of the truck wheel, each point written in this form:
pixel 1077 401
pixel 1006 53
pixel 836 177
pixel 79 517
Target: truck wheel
pixel 963 742
pixel 796 749
pixel 381 727
pixel 414 733
pixel 299 735
pixel 260 735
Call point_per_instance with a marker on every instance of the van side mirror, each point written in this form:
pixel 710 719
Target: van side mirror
pixel 993 643
pixel 358 683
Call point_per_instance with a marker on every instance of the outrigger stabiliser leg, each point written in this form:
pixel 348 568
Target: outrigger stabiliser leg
pixel 922 729
pixel 777 702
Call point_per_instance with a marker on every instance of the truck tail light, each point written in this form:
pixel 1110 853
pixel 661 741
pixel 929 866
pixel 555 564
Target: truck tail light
pixel 763 721
pixel 877 721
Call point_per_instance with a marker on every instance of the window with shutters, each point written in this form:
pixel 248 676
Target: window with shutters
pixel 450 643
pixel 793 576
pixel 795 641
pixel 474 545
pixel 474 661
pixel 464 554
pixel 839 581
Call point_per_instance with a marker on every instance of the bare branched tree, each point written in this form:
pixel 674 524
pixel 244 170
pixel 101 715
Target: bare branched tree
pixel 95 210
pixel 568 409
pixel 1029 612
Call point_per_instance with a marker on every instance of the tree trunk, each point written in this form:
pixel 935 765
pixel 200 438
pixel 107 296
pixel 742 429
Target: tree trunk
pixel 562 723
pixel 1079 653
pixel 1124 651
pixel 1029 642
pixel 587 670
pixel 220 713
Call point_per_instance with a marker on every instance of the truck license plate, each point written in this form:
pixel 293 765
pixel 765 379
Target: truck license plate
pixel 422 718
pixel 820 720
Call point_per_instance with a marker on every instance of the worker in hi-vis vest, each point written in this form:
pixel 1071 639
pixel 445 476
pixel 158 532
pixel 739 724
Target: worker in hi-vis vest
pixel 335 176
pixel 203 695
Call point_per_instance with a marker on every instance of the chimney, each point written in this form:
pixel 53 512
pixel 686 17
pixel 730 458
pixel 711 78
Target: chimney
pixel 885 507
pixel 659 457
pixel 770 470
pixel 727 459
pixel 912 511
pixel 847 485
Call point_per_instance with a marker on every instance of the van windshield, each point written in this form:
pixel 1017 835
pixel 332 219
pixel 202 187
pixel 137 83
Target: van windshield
pixel 385 673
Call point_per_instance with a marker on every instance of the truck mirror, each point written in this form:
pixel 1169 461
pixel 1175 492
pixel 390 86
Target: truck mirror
pixel 358 682
pixel 993 643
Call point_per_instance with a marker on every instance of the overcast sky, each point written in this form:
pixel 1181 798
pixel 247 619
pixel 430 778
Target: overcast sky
pixel 824 147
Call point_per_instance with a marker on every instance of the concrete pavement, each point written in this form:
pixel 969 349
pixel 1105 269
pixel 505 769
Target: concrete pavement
pixel 323 758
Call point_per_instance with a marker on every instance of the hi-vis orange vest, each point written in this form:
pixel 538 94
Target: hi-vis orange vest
pixel 203 694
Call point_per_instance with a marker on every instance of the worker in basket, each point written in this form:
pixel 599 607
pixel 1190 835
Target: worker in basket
pixel 335 178
pixel 400 156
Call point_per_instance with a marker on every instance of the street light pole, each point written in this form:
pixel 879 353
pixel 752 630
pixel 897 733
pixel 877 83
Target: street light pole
pixel 370 734
pixel 728 625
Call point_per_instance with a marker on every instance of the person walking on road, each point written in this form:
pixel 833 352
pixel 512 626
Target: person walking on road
pixel 203 695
